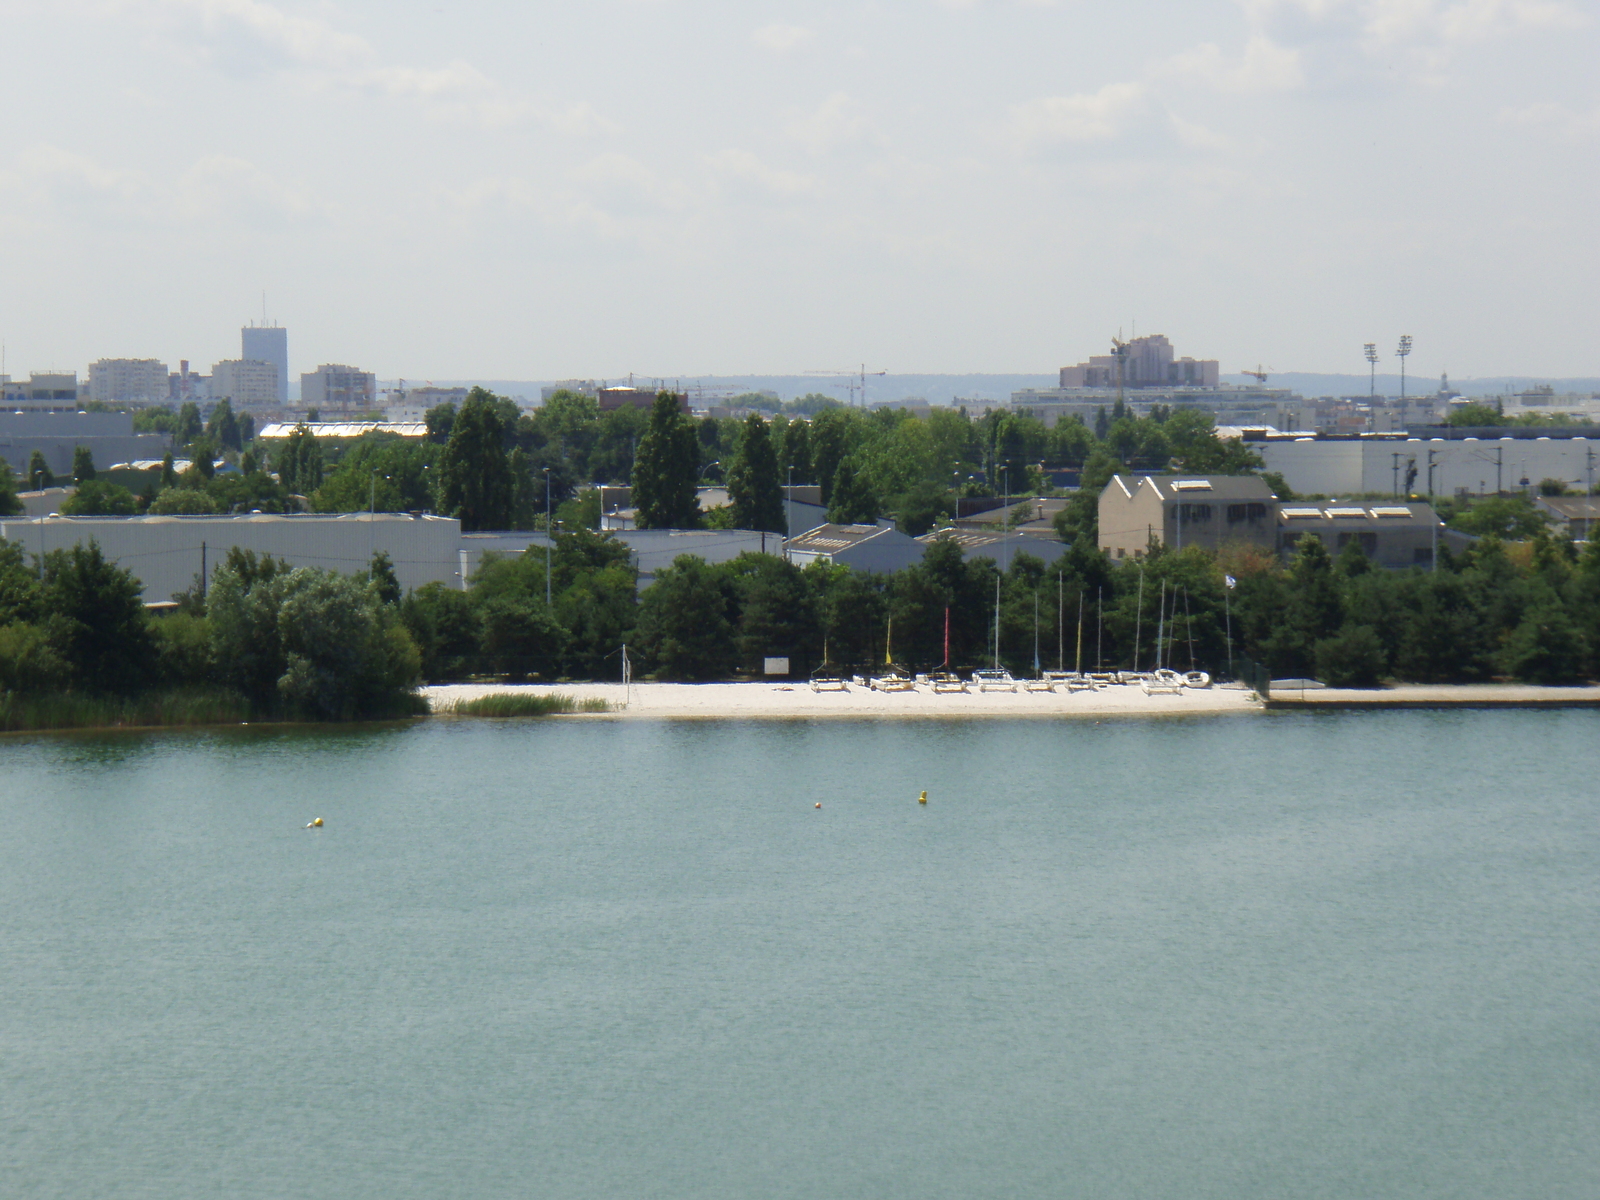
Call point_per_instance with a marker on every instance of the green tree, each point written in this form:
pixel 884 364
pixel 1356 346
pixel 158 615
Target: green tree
pixel 794 454
pixel 1546 646
pixel 475 482
pixel 96 621
pixel 19 585
pixel 182 501
pixel 1352 658
pixel 776 614
pixel 521 637
pixel 82 465
pixel 753 486
pixel 443 623
pixel 833 436
pixel 385 586
pixel 1514 517
pixel 309 642
pixel 1479 415
pixel 97 498
pixel 10 506
pixel 381 470
pixel 39 474
pixel 667 468
pixel 1079 520
pixel 854 502
pixel 684 626
pixel 299 461
pixel 28 662
pixel 158 418
pixel 188 425
pixel 223 427
pixel 440 419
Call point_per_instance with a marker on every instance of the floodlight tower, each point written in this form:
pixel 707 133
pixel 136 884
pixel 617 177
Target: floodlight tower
pixel 1372 363
pixel 1403 350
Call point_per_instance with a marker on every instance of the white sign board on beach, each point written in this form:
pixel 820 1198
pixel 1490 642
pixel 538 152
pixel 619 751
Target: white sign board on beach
pixel 777 666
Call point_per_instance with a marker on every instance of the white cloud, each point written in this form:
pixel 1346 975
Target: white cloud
pixel 833 123
pixel 1264 66
pixel 742 165
pixel 253 35
pixel 1384 23
pixel 1086 117
pixel 782 37
pixel 1554 121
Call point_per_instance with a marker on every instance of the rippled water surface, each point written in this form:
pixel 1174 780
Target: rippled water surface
pixel 1340 955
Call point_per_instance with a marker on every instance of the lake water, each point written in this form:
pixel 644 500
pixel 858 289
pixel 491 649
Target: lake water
pixel 1332 955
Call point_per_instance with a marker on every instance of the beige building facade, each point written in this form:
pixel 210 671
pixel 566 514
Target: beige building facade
pixel 1213 511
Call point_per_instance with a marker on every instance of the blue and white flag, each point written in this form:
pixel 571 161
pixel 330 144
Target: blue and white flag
pixel 1230 581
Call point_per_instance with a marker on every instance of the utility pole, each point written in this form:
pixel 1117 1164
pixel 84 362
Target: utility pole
pixel 548 538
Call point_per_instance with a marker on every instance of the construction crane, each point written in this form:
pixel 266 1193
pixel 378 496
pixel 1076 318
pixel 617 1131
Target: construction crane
pixel 1258 375
pixel 854 381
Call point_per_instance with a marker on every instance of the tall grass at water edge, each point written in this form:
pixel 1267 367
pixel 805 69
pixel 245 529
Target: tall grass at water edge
pixel 527 704
pixel 66 710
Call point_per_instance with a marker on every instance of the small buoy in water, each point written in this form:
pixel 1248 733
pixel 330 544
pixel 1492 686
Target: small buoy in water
pixel 922 799
pixel 819 803
pixel 316 824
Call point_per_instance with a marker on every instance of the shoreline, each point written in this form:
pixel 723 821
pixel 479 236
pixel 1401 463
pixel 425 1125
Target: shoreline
pixel 796 701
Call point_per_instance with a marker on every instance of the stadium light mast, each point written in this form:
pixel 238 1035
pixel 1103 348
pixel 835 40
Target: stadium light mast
pixel 1372 364
pixel 1403 350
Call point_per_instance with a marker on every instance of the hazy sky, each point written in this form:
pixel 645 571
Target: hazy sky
pixel 458 188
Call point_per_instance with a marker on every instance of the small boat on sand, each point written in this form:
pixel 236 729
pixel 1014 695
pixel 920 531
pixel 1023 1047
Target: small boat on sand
pixel 994 679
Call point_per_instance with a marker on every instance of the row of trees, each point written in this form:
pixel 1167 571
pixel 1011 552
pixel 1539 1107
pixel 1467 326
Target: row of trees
pixel 311 643
pixel 1528 611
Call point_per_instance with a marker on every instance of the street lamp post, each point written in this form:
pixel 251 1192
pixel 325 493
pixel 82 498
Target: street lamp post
pixel 549 537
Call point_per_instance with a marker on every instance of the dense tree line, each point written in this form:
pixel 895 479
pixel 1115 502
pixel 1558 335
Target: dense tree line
pixel 1527 611
pixel 297 642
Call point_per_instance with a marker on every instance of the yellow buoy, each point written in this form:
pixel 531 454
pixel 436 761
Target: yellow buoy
pixel 922 799
pixel 819 803
pixel 316 824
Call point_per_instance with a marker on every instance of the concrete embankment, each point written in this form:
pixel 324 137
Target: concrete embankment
pixel 1444 695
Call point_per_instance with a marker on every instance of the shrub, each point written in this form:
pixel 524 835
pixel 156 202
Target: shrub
pixel 1352 658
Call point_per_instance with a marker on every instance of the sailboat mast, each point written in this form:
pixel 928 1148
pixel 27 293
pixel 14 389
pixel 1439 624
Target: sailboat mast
pixel 1077 664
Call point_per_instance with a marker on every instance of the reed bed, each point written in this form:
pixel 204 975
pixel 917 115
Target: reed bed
pixel 66 710
pixel 527 704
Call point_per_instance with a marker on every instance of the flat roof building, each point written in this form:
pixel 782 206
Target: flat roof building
pixel 339 388
pixel 245 382
pixel 612 398
pixel 268 343
pixel 1391 535
pixel 880 548
pixel 167 553
pixel 128 379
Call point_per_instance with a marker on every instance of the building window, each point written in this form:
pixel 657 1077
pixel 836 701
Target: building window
pixel 1422 555
pixel 1191 513
pixel 1254 511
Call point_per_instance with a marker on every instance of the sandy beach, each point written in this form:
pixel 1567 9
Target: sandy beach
pixel 763 701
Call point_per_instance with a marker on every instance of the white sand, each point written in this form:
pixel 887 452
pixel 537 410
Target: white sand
pixel 768 700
